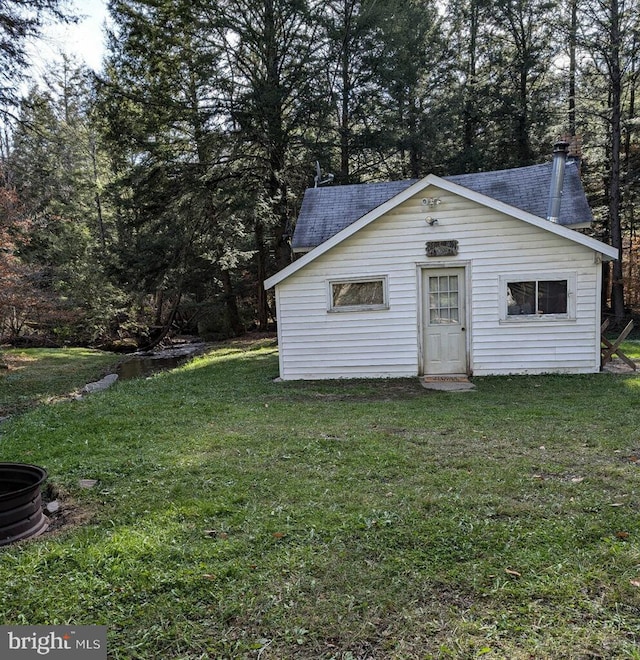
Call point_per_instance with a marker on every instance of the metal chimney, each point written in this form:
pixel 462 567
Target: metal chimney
pixel 557 180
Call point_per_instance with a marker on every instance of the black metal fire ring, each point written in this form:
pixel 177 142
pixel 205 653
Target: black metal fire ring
pixel 21 514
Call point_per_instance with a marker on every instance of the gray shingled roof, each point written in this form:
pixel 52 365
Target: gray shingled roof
pixel 326 211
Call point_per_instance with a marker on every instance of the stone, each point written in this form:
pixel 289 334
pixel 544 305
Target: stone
pixel 447 384
pixel 100 385
pixel 52 507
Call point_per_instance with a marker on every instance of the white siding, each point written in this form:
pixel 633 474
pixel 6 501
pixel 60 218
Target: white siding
pixel 315 343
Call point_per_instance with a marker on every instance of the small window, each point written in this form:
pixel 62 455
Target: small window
pixel 356 295
pixel 537 297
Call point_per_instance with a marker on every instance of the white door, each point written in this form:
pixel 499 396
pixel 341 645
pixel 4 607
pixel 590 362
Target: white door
pixel 444 341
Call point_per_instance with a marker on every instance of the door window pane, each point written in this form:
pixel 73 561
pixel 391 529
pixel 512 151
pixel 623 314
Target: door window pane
pixel 443 300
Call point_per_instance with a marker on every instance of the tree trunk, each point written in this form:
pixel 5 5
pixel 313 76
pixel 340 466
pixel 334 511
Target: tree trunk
pixel 345 136
pixel 470 114
pixel 573 38
pixel 231 304
pixel 96 197
pixel 262 306
pixel 166 326
pixel 522 120
pixel 617 284
pixel 412 129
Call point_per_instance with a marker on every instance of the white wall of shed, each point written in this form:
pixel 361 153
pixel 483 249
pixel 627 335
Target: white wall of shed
pixel 317 344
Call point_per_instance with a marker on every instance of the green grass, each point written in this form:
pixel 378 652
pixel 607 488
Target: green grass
pixel 37 375
pixel 631 348
pixel 235 517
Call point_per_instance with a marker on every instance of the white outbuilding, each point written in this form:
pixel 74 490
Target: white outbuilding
pixel 477 274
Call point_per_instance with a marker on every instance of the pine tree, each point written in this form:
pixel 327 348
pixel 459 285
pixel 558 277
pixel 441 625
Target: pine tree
pixel 20 22
pixel 413 73
pixel 608 35
pixel 167 119
pixel 54 167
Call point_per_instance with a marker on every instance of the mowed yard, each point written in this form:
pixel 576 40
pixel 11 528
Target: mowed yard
pixel 237 517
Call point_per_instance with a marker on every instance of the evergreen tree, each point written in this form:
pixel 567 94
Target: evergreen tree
pixel 508 93
pixel 526 87
pixel 21 21
pixel 216 93
pixel 353 47
pixel 608 34
pixel 53 166
pixel 167 123
pixel 469 34
pixel 413 74
pixel 273 99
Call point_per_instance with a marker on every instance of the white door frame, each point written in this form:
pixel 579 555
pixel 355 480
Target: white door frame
pixel 465 266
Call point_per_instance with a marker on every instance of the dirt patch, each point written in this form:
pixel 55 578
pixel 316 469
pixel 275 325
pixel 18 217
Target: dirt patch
pixel 617 366
pixel 62 511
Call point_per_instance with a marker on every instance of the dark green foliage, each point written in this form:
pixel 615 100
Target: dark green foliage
pixel 510 95
pixel 55 167
pixel 210 102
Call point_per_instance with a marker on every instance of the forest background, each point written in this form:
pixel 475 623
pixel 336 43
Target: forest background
pixel 155 196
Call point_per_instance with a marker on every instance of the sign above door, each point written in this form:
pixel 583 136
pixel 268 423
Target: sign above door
pixel 442 248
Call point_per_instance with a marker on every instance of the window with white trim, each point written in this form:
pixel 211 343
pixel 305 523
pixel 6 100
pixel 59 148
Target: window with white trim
pixel 358 294
pixel 548 297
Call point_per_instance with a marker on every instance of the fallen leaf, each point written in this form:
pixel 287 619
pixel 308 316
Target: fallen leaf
pixel 279 535
pixel 634 583
pixel 622 535
pixel 509 571
pixel 577 480
pixel 209 576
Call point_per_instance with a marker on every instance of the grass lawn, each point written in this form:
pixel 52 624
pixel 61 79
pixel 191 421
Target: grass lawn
pixel 37 375
pixel 235 517
pixel 631 349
